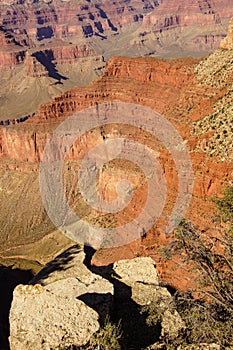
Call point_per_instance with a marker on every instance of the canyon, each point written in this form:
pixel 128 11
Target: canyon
pixel 47 47
pixel 39 69
pixel 193 95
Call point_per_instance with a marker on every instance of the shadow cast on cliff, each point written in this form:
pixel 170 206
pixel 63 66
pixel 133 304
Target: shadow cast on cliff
pixel 46 59
pixel 136 334
pixel 9 279
pixel 60 263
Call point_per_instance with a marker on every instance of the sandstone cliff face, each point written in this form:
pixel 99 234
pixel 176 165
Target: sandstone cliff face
pixel 165 27
pixel 28 144
pixel 43 62
pixel 10 53
pixel 32 24
pixel 168 87
pixel 29 25
pixel 34 68
pixel 172 14
pixel 68 43
pixel 188 95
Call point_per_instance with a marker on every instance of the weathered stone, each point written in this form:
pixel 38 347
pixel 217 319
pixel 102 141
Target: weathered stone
pixel 62 306
pixel 41 319
pixel 140 270
pixel 140 274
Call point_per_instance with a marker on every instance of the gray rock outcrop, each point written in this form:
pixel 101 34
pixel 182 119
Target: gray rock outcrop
pixel 41 319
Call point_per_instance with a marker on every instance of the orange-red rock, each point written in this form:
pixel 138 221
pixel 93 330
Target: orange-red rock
pixel 168 87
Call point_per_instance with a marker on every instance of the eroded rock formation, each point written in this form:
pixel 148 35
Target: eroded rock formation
pixel 49 47
pixel 194 96
pixel 141 276
pixel 64 303
pixel 29 25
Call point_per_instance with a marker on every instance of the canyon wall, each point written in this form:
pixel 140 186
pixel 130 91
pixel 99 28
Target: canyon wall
pixel 168 87
pixel 30 26
pixel 193 95
pixel 48 47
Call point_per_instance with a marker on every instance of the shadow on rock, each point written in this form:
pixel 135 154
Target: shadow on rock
pixel 99 302
pixel 9 279
pixel 60 263
pixel 136 334
pixel 46 58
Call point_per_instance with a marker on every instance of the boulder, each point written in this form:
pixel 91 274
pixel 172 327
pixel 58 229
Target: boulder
pixel 63 305
pixel 41 320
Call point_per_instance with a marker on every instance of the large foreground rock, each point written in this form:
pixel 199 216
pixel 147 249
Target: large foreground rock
pixel 40 319
pixel 62 306
pixel 66 303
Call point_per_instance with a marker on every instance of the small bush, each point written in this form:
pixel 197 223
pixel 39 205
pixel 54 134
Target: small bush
pixel 107 338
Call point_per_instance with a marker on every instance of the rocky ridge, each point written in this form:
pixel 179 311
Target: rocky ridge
pixel 217 71
pixel 182 91
pixel 66 303
pixel 227 42
pixel 32 25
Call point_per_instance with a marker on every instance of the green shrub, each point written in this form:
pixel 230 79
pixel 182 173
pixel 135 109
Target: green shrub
pixel 225 206
pixel 107 338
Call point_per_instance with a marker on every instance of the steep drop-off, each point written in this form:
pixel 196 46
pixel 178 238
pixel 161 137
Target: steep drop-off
pixel 183 90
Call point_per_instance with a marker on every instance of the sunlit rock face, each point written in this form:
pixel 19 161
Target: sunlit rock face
pixel 63 305
pixel 36 24
pixel 227 42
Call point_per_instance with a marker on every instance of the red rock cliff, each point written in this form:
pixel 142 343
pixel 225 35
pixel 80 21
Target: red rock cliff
pixel 171 88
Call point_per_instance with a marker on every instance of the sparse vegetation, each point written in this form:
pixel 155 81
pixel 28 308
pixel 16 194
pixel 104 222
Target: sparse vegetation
pixel 216 71
pixel 225 206
pixel 206 310
pixel 107 338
